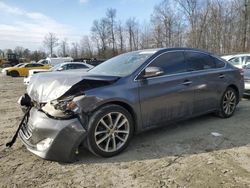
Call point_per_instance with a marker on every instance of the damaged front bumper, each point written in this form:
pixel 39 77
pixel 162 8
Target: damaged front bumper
pixel 50 138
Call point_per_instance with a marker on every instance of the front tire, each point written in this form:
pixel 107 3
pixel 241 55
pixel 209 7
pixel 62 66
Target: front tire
pixel 228 103
pixel 14 74
pixel 109 130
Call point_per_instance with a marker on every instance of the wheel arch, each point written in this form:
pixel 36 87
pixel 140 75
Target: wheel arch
pixel 125 105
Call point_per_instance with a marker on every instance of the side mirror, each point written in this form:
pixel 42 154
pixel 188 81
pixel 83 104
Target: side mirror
pixel 152 72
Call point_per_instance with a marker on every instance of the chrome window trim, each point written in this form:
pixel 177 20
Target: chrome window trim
pixel 206 70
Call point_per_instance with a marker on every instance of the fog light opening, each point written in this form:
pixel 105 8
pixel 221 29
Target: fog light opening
pixel 44 144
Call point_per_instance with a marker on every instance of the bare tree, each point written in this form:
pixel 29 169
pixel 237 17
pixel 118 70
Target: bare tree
pixel 37 55
pixel 1 53
pixel 165 19
pixel 86 47
pixel 120 36
pixel 145 36
pixel 100 32
pixel 245 24
pixel 26 53
pixel 64 47
pixel 96 41
pixel 19 51
pixel 190 9
pixel 75 50
pixel 50 42
pixel 133 33
pixel 216 25
pixel 111 14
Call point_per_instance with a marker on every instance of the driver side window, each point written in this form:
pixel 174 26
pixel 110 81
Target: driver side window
pixel 170 63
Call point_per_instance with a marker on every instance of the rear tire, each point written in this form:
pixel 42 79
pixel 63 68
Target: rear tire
pixel 14 74
pixel 109 130
pixel 228 103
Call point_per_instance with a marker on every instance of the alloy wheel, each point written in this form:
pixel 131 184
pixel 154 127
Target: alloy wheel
pixel 229 102
pixel 112 132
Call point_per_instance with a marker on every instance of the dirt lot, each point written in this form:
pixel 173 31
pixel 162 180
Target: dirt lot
pixel 182 155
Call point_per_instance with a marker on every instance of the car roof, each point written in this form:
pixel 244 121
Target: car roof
pixel 235 55
pixel 66 63
pixel 173 49
pixel 75 62
pixel 32 63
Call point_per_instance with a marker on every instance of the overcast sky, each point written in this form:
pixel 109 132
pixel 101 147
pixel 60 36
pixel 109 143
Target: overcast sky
pixel 25 22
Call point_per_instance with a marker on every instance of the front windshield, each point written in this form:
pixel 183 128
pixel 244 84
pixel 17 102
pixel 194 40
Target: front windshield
pixel 18 65
pixel 43 61
pixel 122 65
pixel 235 61
pixel 23 65
pixel 40 61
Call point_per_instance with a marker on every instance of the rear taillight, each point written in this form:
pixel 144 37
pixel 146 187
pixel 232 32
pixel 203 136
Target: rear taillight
pixel 242 72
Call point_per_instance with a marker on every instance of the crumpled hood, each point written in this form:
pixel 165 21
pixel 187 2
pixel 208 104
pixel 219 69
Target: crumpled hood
pixel 45 87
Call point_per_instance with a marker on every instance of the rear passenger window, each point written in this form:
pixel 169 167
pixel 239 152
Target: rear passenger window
pixel 38 65
pixel 80 66
pixel 199 61
pixel 34 65
pixel 171 63
pixel 70 66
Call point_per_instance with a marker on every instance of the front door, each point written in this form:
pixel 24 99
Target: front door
pixel 169 96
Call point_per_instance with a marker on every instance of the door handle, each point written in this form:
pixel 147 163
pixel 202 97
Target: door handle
pixel 187 82
pixel 222 76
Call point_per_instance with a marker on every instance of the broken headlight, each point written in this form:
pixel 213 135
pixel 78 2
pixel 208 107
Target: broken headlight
pixel 64 107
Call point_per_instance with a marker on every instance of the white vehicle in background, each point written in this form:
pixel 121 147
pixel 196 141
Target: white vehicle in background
pixel 51 61
pixel 238 60
pixel 54 61
pixel 4 70
pixel 60 67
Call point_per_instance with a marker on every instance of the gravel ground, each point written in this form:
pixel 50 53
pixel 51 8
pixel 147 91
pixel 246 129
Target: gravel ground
pixel 182 155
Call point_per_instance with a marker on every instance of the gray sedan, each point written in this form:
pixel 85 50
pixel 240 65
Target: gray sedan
pixel 136 91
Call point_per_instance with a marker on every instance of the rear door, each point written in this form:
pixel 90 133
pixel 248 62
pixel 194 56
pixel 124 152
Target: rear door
pixel 209 77
pixel 167 97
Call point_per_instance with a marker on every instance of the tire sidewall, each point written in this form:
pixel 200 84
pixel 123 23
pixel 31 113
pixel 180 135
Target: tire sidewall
pixel 95 118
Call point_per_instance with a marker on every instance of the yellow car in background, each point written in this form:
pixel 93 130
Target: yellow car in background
pixel 23 70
